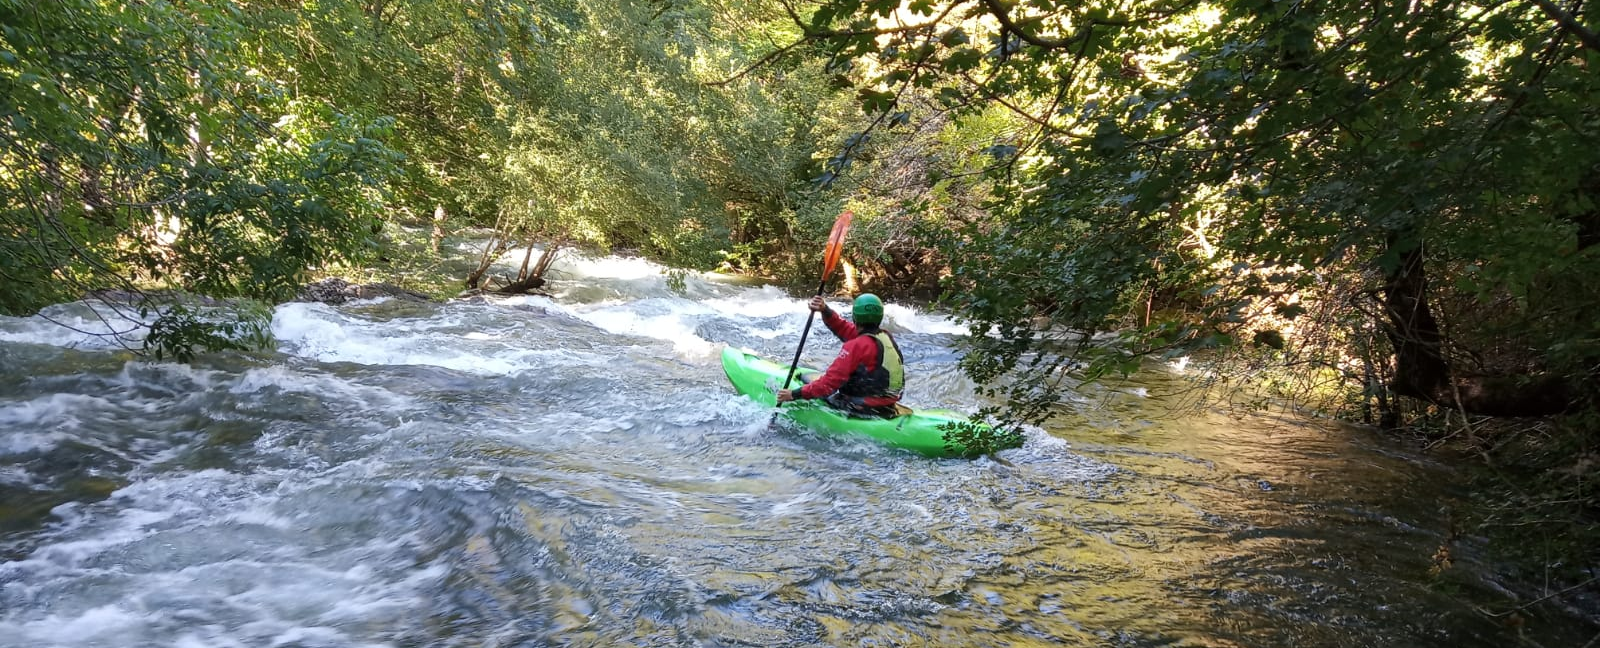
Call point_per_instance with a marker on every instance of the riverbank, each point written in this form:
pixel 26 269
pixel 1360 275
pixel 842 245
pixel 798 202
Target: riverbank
pixel 1532 501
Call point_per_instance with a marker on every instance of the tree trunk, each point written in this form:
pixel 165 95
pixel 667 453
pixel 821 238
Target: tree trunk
pixel 50 170
pixel 547 259
pixel 438 228
pixel 522 285
pixel 199 139
pixel 1421 370
pixel 496 246
pixel 523 272
pixel 1420 367
pixel 527 281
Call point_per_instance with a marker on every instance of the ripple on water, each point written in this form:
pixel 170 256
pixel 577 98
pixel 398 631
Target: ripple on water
pixel 576 472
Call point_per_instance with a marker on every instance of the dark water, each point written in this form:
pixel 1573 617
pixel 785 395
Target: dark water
pixel 577 473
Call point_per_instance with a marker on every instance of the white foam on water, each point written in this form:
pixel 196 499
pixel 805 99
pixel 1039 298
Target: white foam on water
pixel 70 556
pixel 676 319
pixel 270 561
pixel 796 504
pixel 290 604
pixel 15 476
pixel 134 514
pixel 908 318
pixel 766 301
pixel 15 443
pixel 106 625
pixel 172 379
pixel 321 333
pixel 193 640
pixel 634 301
pixel 631 277
pixel 281 378
pixel 141 397
pixel 670 319
pixel 770 301
pixel 326 387
pixel 720 406
pixel 91 325
pixel 131 550
pixel 538 301
pixel 260 517
pixel 608 267
pixel 42 423
pixel 46 422
pixel 770 333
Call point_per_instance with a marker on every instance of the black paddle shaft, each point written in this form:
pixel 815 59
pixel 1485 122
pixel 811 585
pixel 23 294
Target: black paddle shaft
pixel 803 333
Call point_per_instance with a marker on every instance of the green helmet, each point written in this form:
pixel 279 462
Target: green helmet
pixel 867 309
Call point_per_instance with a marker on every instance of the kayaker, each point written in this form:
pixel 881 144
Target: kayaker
pixel 868 376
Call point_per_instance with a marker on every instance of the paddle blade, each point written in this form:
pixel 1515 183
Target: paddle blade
pixel 836 243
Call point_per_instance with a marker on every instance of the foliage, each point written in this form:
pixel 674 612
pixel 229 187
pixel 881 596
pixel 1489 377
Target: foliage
pixel 1540 475
pixel 141 145
pixel 181 330
pixel 976 439
pixel 235 149
pixel 255 228
pixel 638 145
pixel 1201 176
pixel 407 259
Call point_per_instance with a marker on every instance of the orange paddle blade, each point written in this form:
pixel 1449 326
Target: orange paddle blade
pixel 835 243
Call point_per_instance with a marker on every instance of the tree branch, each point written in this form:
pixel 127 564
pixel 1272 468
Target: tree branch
pixel 1569 23
pixel 1042 122
pixel 810 34
pixel 813 33
pixel 1001 14
pixel 770 57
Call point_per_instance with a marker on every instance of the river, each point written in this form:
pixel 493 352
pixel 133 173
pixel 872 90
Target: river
pixel 576 472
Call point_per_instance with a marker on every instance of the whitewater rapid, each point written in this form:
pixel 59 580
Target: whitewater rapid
pixel 574 470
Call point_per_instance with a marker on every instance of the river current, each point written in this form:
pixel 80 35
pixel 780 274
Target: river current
pixel 576 471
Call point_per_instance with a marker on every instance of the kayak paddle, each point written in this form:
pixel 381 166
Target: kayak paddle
pixel 835 246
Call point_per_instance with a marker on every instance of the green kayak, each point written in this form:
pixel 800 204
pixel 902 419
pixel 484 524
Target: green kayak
pixel 922 430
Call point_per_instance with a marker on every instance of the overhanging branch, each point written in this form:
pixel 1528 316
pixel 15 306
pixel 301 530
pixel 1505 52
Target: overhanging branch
pixel 1569 24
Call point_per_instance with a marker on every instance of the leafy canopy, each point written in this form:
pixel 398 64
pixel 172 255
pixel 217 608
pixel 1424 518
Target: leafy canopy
pixel 1196 175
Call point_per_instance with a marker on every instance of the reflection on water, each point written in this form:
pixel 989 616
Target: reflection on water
pixel 575 472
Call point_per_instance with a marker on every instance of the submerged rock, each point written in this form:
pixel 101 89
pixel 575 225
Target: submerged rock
pixel 335 290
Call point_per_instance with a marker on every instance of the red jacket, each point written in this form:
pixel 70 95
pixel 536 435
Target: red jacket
pixel 859 351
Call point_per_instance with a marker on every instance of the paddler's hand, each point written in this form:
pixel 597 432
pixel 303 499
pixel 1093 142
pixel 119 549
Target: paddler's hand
pixel 786 395
pixel 817 304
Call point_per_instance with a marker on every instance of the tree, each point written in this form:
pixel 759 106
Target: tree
pixel 641 141
pixel 1232 168
pixel 141 146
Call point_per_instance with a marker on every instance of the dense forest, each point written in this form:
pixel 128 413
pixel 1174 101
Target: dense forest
pixel 1384 211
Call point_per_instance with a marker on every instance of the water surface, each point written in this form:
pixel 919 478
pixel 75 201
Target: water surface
pixel 576 472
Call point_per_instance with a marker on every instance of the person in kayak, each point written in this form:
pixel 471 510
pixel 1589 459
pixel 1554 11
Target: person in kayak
pixel 868 376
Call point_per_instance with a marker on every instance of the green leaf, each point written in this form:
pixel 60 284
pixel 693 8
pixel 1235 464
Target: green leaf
pixel 1109 139
pixel 1501 27
pixel 962 59
pixel 875 101
pixel 1289 311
